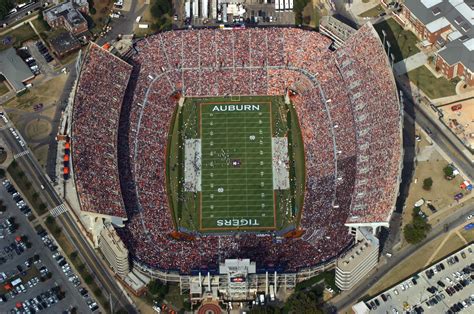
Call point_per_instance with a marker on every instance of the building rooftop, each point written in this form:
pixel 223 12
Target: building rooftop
pixel 436 14
pixel 438 24
pixel 68 11
pixel 14 69
pixel 64 43
pixel 359 252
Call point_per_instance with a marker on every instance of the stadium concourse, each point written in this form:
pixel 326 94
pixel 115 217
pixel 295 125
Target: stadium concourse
pixel 347 105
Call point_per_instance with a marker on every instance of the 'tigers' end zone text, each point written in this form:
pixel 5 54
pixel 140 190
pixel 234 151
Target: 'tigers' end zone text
pixel 237 222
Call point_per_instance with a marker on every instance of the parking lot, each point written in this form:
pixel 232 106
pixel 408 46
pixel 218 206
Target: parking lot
pixel 31 279
pixel 444 287
pixel 42 57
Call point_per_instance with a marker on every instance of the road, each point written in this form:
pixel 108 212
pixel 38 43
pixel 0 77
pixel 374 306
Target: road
pixel 456 219
pixel 123 25
pixel 33 171
pixel 443 138
pixel 12 18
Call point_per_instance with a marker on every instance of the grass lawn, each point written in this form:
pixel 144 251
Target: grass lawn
pixel 40 26
pixel 468 235
pixel 375 11
pixel 453 244
pixel 17 36
pixel 433 87
pixel 403 42
pixel 101 16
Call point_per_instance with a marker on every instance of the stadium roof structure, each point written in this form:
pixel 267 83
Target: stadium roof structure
pixel 14 69
pixel 347 106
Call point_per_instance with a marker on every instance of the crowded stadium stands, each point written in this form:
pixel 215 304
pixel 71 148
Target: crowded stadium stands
pixel 96 113
pixel 352 154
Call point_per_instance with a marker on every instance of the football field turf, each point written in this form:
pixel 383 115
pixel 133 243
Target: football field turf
pixel 237 183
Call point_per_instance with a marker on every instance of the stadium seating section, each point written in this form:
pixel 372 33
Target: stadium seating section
pixel 347 107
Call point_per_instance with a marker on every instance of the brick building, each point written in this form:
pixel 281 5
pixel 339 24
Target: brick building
pixel 68 15
pixel 447 25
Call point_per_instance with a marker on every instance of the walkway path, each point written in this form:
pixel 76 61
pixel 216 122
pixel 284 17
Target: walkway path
pixel 410 63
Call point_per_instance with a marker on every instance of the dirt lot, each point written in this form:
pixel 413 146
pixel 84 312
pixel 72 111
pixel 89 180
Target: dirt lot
pixel 35 126
pixel 430 164
pixel 461 121
pixel 37 129
pixel 46 93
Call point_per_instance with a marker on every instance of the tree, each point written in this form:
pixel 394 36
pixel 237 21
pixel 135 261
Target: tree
pixel 5 7
pixel 42 207
pixel 157 288
pixel 98 292
pixel 21 174
pixel 448 172
pixel 418 229
pixel 305 302
pixel 28 185
pixel 427 183
pixel 42 20
pixel 50 220
pixel 298 8
pixel 57 230
pixel 74 255
pixel 35 196
pixel 160 8
pixel 88 279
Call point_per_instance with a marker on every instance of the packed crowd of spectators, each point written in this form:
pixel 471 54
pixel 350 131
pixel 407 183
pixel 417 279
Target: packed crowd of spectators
pixel 342 139
pixel 96 113
pixel 378 125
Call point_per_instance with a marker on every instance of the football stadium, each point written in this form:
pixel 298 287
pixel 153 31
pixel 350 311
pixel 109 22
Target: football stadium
pixel 238 153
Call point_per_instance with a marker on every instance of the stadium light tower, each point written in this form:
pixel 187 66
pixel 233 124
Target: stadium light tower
pixel 388 45
pixel 392 57
pixel 384 34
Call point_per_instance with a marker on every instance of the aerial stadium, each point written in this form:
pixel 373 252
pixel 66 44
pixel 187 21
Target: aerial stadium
pixel 230 154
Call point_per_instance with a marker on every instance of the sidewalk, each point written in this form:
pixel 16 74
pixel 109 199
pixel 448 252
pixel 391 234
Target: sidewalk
pixel 410 63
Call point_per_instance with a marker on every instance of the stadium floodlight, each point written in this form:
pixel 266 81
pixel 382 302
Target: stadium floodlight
pixel 388 45
pixel 384 34
pixel 393 59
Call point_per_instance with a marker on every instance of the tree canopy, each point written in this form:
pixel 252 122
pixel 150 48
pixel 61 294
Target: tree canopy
pixel 427 183
pixel 304 302
pixel 161 10
pixel 448 171
pixel 417 230
pixel 157 289
pixel 5 7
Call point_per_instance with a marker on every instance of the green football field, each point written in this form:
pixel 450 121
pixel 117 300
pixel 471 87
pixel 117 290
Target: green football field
pixel 237 183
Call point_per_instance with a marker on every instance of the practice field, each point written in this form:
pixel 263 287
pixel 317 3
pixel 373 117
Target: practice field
pixel 237 185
